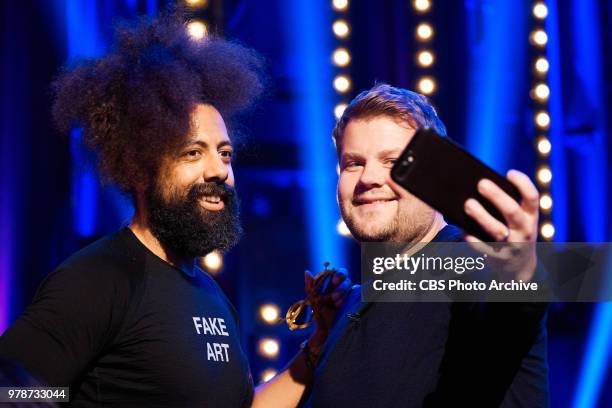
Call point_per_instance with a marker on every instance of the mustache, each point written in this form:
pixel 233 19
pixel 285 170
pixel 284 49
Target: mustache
pixel 224 191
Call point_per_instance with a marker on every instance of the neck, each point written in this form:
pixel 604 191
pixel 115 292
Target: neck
pixel 141 228
pixel 436 226
pixel 419 243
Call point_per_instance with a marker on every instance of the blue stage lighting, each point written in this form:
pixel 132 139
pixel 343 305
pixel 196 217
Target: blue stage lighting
pixel 497 45
pixel 308 30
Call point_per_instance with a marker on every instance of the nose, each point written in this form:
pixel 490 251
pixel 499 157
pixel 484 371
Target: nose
pixel 373 175
pixel 216 170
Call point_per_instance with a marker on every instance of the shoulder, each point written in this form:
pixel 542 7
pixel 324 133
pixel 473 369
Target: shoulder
pixel 109 252
pixel 78 310
pixel 106 267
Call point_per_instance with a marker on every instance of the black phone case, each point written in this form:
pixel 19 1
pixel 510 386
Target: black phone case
pixel 443 175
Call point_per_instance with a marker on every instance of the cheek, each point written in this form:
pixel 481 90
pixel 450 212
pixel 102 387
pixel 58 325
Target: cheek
pixel 346 186
pixel 185 175
pixel 175 181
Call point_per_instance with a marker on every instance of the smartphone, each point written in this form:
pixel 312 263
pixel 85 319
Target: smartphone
pixel 444 175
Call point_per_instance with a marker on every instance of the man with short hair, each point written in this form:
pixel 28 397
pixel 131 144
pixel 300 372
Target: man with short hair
pixel 130 320
pixel 426 354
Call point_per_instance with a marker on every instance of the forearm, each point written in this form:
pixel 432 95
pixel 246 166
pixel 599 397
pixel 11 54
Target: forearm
pixel 288 388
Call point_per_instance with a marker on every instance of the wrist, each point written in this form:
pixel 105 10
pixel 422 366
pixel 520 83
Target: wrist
pixel 311 357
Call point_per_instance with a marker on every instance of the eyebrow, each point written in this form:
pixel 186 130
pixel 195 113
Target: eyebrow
pixel 390 152
pixel 348 156
pixel 204 144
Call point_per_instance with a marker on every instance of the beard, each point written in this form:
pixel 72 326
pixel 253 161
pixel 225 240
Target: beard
pixel 362 232
pixel 408 224
pixel 187 229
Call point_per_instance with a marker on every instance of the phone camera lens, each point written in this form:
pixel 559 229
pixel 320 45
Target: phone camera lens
pixel 409 159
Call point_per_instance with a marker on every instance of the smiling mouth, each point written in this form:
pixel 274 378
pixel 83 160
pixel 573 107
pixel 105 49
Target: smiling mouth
pixel 375 201
pixel 212 202
pixel 212 199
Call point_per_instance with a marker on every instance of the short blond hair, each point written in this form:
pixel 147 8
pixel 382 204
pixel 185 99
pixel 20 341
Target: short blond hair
pixel 386 100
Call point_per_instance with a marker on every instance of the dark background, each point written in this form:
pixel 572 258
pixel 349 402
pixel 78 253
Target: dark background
pixel 51 203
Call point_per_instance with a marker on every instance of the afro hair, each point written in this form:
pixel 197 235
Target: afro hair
pixel 134 104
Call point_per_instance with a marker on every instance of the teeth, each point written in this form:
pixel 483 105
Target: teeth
pixel 377 201
pixel 212 199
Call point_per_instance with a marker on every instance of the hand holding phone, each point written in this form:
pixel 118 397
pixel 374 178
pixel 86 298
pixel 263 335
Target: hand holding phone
pixel 474 197
pixel 451 180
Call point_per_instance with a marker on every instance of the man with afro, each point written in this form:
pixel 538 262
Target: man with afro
pixel 130 320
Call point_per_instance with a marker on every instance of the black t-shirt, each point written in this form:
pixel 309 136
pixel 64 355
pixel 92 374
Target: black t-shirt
pixel 434 354
pixel 122 327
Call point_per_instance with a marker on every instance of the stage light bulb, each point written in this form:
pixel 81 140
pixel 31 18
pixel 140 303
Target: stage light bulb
pixel 269 313
pixel 424 31
pixel 425 58
pixel 341 28
pixel 544 146
pixel 422 5
pixel 547 230
pixel 197 3
pixel 546 202
pixel 544 175
pixel 267 374
pixel 539 37
pixel 541 65
pixel 342 83
pixel 541 92
pixel 426 85
pixel 542 119
pixel 213 261
pixel 341 57
pixel 269 347
pixel 197 30
pixel 339 110
pixel 343 229
pixel 340 5
pixel 540 11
